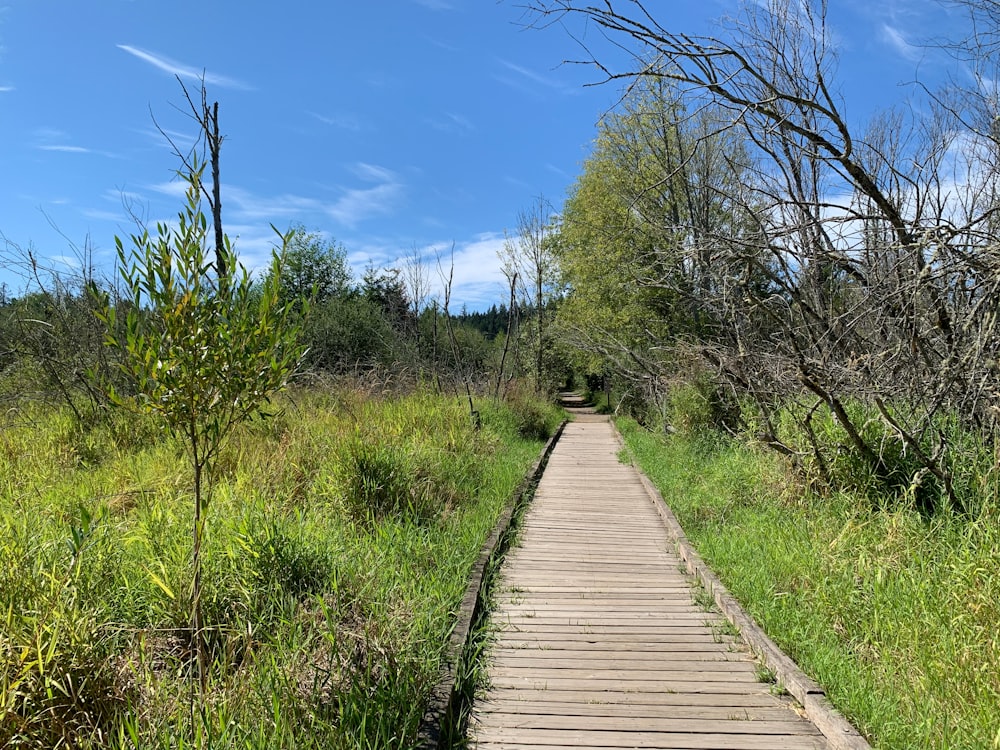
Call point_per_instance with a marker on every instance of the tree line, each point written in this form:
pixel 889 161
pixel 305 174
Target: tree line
pixel 830 290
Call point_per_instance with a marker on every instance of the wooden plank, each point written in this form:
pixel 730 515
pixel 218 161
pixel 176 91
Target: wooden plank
pixel 789 725
pixel 570 709
pixel 696 684
pixel 537 739
pixel 616 664
pixel 584 619
pixel 735 702
pixel 620 657
pixel 650 607
pixel 584 643
pixel 718 672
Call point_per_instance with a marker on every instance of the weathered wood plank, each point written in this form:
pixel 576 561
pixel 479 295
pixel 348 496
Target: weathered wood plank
pixel 698 684
pixel 584 643
pixel 569 710
pixel 510 739
pixel 604 657
pixel 734 724
pixel 719 672
pixel 584 698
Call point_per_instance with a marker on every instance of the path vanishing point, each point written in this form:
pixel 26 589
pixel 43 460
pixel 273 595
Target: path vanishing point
pixel 598 640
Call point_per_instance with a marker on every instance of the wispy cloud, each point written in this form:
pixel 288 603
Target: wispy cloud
pixel 182 70
pixel 373 173
pixel 435 4
pixel 167 138
pixel 517 182
pixel 353 206
pixel 102 215
pixel 360 204
pixel 895 38
pixel 248 207
pixel 450 122
pixel 66 149
pixel 172 189
pixel 54 140
pixel 5 89
pixel 442 45
pixel 529 74
pixel 529 81
pixel 345 122
pixel 67 261
pixel 557 171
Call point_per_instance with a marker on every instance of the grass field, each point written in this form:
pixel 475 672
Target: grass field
pixel 893 613
pixel 339 541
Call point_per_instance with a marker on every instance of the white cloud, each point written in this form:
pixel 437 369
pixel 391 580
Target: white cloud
pixel 183 142
pixel 358 204
pixel 373 173
pixel 249 207
pixel 895 39
pixel 66 260
pixel 173 189
pixel 529 74
pixel 435 4
pixel 253 244
pixel 344 121
pixel 452 123
pixel 529 82
pixel 182 70
pixel 518 183
pixel 557 171
pixel 5 89
pixel 363 203
pixel 102 215
pixel 353 206
pixel 66 149
pixel 51 139
pixel 477 281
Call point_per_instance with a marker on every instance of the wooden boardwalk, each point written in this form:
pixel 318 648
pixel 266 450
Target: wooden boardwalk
pixel 599 643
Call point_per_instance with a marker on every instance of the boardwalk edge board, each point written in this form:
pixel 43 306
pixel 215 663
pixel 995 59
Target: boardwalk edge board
pixel 441 703
pixel 810 695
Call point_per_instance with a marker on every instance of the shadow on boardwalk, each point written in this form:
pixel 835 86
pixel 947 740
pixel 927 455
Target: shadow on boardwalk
pixel 598 641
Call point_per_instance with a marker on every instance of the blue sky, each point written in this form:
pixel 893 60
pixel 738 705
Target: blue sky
pixel 387 125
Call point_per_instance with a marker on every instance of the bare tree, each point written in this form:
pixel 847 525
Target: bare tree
pixel 447 278
pixel 416 280
pixel 528 255
pixel 511 275
pixel 864 272
pixel 209 136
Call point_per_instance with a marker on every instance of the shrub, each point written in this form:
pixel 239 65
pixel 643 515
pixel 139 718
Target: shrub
pixel 534 417
pixel 378 480
pixel 288 564
pixel 699 404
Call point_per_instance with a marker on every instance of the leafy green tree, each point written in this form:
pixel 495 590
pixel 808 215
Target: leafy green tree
pixel 348 331
pixel 640 232
pixel 314 268
pixel 203 349
pixel 386 289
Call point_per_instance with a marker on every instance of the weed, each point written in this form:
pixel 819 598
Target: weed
pixel 321 631
pixel 764 674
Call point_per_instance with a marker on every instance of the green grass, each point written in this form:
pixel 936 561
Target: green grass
pixel 339 543
pixel 896 615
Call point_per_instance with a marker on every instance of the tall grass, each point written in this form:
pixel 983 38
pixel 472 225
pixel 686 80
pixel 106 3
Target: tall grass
pixel 342 535
pixel 894 612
